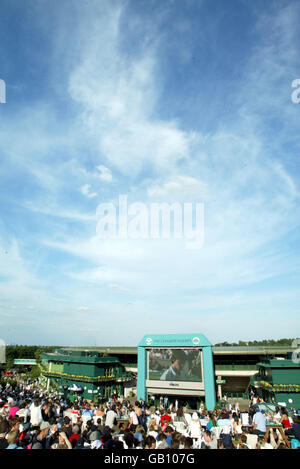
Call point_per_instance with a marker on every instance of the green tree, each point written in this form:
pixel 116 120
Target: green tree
pixel 35 372
pixel 37 355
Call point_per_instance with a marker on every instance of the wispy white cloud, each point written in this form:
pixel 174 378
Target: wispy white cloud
pixel 118 108
pixel 180 187
pixel 59 212
pixel 250 198
pixel 86 190
pixel 118 288
pixel 122 138
pixel 105 173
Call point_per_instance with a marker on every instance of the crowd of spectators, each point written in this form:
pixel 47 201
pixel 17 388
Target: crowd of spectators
pixel 31 418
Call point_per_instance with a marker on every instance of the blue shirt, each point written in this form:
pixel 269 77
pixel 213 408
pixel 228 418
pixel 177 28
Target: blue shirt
pixel 260 422
pixel 224 423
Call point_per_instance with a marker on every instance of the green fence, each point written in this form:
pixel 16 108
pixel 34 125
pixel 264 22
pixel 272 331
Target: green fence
pixel 237 395
pixel 233 367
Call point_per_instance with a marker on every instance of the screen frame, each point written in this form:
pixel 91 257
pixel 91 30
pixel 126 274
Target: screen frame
pixel 174 386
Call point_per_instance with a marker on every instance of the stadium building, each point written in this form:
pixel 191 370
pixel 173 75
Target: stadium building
pixel 278 381
pixel 88 374
pixel 232 369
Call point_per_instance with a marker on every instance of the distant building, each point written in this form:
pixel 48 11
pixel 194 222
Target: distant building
pixel 278 381
pixel 234 366
pixel 88 374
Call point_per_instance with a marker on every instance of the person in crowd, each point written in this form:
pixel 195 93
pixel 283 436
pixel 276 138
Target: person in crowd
pixel 259 423
pixel 32 418
pixel 277 415
pixel 236 424
pixel 12 440
pixel 133 419
pixel 149 442
pixel 210 440
pixel 180 417
pixel 4 429
pixel 296 427
pixel 224 422
pixel 212 422
pixel 169 434
pixel 13 409
pixel 165 419
pixel 42 436
pixel 194 427
pixel 188 443
pixel 35 413
pixel 285 421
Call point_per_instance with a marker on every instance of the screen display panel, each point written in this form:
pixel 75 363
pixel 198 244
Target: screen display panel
pixel 175 364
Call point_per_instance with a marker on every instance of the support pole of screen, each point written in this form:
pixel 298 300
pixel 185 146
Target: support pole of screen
pixel 209 378
pixel 141 378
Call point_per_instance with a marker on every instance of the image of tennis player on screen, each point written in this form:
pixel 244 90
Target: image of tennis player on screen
pixel 178 371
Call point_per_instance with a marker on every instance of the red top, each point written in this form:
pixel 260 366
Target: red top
pixel 286 423
pixel 75 436
pixel 165 418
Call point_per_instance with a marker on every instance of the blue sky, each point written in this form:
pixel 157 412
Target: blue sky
pixel 173 101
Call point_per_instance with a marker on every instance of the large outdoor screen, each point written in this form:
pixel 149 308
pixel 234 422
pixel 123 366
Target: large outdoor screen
pixel 174 364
